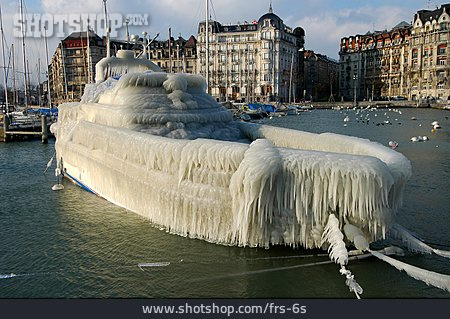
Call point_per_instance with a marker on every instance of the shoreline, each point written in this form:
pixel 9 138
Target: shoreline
pixel 382 104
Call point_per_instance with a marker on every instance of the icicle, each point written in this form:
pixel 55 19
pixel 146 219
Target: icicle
pixel 50 162
pixel 414 244
pixel 158 264
pixel 429 277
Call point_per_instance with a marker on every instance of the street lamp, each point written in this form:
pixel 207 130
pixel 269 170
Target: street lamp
pixel 355 77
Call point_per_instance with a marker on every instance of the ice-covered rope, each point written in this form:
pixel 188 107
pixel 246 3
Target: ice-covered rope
pixel 413 243
pixel 429 277
pixel 441 281
pixel 338 253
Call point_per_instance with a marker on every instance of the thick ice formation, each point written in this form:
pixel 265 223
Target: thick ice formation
pixel 158 145
pixel 123 63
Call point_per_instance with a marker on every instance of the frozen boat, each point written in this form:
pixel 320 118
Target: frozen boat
pixel 158 145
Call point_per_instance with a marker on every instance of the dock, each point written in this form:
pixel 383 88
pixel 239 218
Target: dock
pixel 24 129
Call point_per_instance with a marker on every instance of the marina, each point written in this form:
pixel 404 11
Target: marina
pixel 80 246
pixel 224 166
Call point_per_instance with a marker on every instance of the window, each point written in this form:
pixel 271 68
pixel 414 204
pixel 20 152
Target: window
pixel 441 49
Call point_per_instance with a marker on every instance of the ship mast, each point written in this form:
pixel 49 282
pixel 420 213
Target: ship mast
pixel 88 53
pixel 23 55
pixel 48 71
pixel 15 97
pixel 4 62
pixel 207 46
pixel 108 54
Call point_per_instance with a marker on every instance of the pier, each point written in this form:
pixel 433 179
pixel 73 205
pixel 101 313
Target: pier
pixel 24 129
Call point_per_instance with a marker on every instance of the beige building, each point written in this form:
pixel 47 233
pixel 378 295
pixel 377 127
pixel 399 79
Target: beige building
pixel 373 66
pixel 73 64
pixel 409 61
pixel 429 58
pixel 69 67
pixel 258 61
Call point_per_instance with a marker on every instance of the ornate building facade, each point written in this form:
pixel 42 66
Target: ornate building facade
pixel 374 65
pixel 429 58
pixel 409 61
pixel 258 61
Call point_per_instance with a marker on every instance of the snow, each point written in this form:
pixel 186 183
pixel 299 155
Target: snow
pixel 158 145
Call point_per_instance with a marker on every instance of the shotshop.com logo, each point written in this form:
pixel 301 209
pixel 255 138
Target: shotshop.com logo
pixel 37 25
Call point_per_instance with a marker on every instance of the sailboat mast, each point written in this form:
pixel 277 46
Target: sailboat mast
pixel 28 79
pixel 39 81
pixel 207 46
pixel 48 71
pixel 170 50
pixel 88 54
pixel 4 62
pixel 15 98
pixel 108 54
pixel 64 72
pixel 24 55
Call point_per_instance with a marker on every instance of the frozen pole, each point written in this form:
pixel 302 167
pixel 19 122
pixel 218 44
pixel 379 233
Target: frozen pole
pixel 48 71
pixel 108 54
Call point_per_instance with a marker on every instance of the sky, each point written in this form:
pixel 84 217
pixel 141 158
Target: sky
pixel 325 21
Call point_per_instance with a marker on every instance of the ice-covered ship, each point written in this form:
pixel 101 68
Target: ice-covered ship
pixel 158 145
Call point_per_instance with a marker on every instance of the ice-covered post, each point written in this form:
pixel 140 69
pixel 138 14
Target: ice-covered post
pixel 44 129
pixel 5 127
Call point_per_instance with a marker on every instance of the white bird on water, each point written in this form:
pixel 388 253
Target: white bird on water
pixel 393 144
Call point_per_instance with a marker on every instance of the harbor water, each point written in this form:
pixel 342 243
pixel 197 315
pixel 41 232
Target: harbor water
pixel 73 244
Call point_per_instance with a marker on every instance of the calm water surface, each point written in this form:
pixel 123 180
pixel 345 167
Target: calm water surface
pixel 71 244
